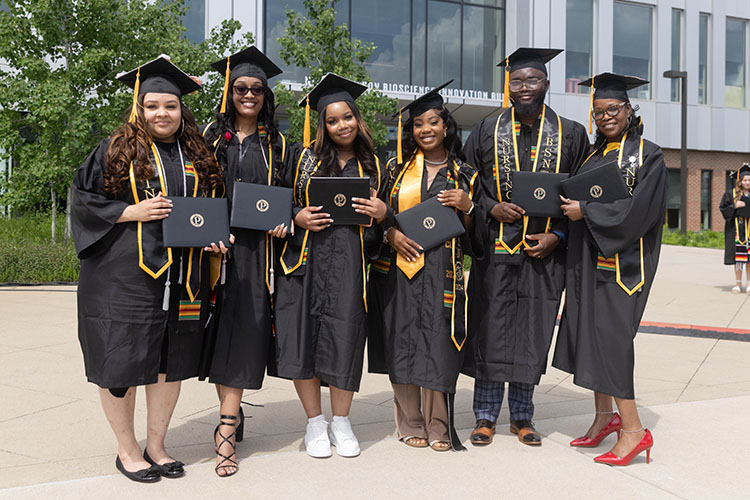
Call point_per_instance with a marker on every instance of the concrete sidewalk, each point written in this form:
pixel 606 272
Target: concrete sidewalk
pixel 54 439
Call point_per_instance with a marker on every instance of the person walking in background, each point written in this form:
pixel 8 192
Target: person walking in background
pixel 737 226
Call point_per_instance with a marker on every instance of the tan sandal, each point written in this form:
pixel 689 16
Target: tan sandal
pixel 441 445
pixel 415 442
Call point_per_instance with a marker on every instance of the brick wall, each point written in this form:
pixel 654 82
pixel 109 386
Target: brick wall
pixel 719 163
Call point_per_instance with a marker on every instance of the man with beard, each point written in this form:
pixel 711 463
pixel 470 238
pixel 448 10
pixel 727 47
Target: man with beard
pixel 514 292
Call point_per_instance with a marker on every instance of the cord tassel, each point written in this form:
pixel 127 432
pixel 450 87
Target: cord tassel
pixel 399 153
pixel 165 302
pixel 306 139
pixel 223 279
pixel 506 86
pixel 591 107
pixel 226 89
pixel 136 89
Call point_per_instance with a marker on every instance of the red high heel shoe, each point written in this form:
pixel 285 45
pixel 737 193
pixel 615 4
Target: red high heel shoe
pixel 614 425
pixel 645 444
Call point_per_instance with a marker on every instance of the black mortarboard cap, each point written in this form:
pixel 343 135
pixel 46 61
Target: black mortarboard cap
pixel 427 101
pixel 159 75
pixel 247 62
pixel 331 88
pixel 613 86
pixel 529 57
pixel 742 172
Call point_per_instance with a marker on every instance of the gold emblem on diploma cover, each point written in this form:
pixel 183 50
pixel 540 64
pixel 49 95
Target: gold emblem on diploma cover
pixel 540 193
pixel 428 223
pixel 596 191
pixel 339 200
pixel 197 220
pixel 262 205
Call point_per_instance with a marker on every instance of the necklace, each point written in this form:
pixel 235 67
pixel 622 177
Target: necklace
pixel 441 162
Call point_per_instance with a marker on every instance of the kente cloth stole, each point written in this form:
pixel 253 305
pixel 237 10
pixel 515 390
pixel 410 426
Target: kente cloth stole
pixel 741 227
pixel 545 156
pixel 407 193
pixel 628 264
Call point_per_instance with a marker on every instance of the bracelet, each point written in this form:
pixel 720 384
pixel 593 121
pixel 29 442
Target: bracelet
pixel 469 212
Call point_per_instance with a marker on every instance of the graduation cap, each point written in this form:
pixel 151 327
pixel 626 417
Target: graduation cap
pixel 742 172
pixel 247 62
pixel 159 75
pixel 610 86
pixel 423 103
pixel 525 57
pixel 331 88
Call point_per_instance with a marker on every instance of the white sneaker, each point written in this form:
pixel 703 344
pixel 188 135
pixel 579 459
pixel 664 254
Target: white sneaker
pixel 343 438
pixel 747 290
pixel 317 444
pixel 736 289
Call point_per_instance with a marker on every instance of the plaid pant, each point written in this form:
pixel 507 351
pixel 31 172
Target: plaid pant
pixel 488 399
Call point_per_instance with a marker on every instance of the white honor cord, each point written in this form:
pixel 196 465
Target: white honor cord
pixel 223 273
pixel 165 303
pixel 271 274
pixel 184 174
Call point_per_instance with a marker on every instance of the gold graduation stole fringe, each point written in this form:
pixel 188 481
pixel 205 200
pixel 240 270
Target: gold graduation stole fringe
pixel 547 158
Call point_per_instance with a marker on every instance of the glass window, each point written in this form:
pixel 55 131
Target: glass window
pixel 703 41
pixel 443 53
pixel 677 16
pixel 579 43
pixel 706 199
pixel 482 49
pixel 276 27
pixel 673 198
pixel 194 20
pixel 418 44
pixel 734 94
pixel 386 24
pixel 632 44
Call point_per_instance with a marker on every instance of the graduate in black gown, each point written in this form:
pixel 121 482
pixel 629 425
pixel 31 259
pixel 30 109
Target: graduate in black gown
pixel 248 145
pixel 515 292
pixel 613 251
pixel 422 293
pixel 141 306
pixel 320 299
pixel 737 227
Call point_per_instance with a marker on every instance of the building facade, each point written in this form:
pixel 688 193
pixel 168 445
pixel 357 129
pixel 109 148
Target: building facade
pixel 422 43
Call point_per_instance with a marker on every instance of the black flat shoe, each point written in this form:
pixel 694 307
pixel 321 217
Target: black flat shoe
pixel 150 475
pixel 170 469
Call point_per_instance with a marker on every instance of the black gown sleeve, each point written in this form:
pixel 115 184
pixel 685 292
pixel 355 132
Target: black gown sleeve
pixel 579 142
pixel 619 224
pixel 373 235
pixel 473 239
pixel 94 214
pixel 726 206
pixel 478 152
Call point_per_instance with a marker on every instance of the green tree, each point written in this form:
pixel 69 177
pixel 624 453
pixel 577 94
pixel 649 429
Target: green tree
pixel 318 43
pixel 58 93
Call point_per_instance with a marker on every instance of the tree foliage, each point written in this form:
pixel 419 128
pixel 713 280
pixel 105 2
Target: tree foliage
pixel 316 42
pixel 58 93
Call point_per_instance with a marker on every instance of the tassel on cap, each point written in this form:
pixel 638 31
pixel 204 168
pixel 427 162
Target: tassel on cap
pixel 506 86
pixel 226 90
pixel 136 89
pixel 306 139
pixel 591 107
pixel 399 154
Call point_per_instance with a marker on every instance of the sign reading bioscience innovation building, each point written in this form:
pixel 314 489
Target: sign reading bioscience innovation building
pixel 405 88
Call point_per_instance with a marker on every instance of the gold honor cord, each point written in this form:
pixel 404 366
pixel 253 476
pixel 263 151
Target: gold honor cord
pixel 497 183
pixel 737 225
pixel 153 273
pixel 409 194
pixel 288 270
pixel 269 238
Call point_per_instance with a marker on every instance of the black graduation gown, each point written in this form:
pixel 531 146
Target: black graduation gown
pixel 244 329
pixel 418 347
pixel 514 299
pixel 126 336
pixel 730 227
pixel 320 305
pixel 600 319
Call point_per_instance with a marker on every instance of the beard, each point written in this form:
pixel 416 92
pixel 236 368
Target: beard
pixel 532 108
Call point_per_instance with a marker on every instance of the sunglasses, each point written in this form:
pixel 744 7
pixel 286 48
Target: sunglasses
pixel 241 90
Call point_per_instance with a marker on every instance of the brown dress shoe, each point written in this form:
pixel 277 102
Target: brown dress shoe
pixel 526 432
pixel 483 433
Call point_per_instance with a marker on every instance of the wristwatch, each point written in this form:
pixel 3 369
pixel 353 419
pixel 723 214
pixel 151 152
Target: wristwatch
pixel 470 211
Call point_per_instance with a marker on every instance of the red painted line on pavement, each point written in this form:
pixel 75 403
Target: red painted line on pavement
pixel 702 328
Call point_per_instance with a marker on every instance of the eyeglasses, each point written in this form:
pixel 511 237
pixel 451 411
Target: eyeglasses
pixel 531 84
pixel 612 110
pixel 241 90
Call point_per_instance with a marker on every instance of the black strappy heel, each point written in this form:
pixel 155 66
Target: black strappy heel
pixel 227 462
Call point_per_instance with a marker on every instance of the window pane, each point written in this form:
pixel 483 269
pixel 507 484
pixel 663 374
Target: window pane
pixel 386 24
pixel 276 27
pixel 443 49
pixel 493 3
pixel 703 59
pixel 632 44
pixel 735 63
pixel 579 35
pixel 194 20
pixel 706 199
pixel 676 52
pixel 418 42
pixel 482 49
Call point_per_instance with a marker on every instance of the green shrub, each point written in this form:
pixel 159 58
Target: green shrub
pixel 705 239
pixel 27 254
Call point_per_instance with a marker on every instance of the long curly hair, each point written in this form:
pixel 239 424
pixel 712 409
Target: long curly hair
pixel 326 151
pixel 738 193
pixel 131 143
pixel 225 123
pixel 451 142
pixel 634 125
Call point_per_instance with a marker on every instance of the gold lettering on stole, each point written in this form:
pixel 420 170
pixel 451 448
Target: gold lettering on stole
pixel 630 178
pixel 505 180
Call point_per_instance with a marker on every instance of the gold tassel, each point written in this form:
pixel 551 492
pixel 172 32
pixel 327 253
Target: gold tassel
pixel 226 89
pixel 306 139
pixel 591 107
pixel 399 154
pixel 136 89
pixel 506 86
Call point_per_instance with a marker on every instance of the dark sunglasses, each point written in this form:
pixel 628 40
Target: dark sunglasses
pixel 241 90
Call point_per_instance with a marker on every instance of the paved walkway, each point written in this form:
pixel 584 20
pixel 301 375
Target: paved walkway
pixel 694 394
